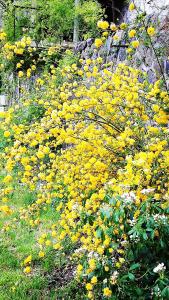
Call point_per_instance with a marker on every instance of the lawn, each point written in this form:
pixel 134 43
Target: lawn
pixel 52 277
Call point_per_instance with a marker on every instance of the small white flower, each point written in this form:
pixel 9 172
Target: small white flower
pixel 160 218
pixel 105 281
pixel 114 277
pixel 128 197
pixel 75 206
pixel 147 191
pixel 80 250
pixel 93 254
pixel 160 268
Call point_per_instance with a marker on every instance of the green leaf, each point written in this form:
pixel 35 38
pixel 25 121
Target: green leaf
pixel 145 236
pixel 109 231
pixel 116 217
pixel 112 201
pixel 124 278
pixel 138 291
pixel 99 233
pixel 162 243
pixel 131 276
pixel 106 213
pixel 134 266
pixel 165 292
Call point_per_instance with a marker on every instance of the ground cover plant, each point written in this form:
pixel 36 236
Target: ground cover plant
pixel 84 178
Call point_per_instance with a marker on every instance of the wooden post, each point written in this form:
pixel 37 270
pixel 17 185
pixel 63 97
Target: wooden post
pixel 3 102
pixel 76 25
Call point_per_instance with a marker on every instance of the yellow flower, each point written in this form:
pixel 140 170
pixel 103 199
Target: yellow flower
pixel 100 250
pixel 7 179
pixel 56 246
pixel 6 209
pixel 123 26
pixel 89 287
pixel 90 295
pixel 107 292
pixel 2 35
pixel 98 43
pixel 136 214
pixel 92 264
pixel 41 254
pixel 53 234
pixel 80 72
pixel 105 33
pixel 28 260
pixel 113 27
pixel 79 269
pixel 7 134
pixel 121 260
pixel 94 280
pixel 48 243
pixel 20 74
pixel 27 270
pixel 131 6
pixel 129 50
pixel 40 154
pixel 115 37
pixel 132 33
pixel 118 265
pixel 19 65
pixel 33 67
pixel 103 25
pixel 135 44
pixel 151 31
pixel 28 73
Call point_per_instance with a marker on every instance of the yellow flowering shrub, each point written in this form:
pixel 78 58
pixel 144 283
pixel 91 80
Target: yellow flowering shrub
pixel 95 149
pixel 100 143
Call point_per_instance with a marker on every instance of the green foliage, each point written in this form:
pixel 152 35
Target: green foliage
pixel 3 142
pixel 52 20
pixel 29 114
pixel 145 248
pixel 55 19
pixel 18 20
pixel 68 59
pixel 89 13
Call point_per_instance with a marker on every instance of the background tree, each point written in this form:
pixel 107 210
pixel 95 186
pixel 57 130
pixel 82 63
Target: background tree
pixel 53 20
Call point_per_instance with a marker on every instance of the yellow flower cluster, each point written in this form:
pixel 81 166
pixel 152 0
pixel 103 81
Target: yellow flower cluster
pixel 18 48
pixel 2 36
pixel 103 25
pixel 98 43
pixel 95 138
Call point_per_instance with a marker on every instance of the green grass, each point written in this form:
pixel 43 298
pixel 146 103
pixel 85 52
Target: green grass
pixel 20 241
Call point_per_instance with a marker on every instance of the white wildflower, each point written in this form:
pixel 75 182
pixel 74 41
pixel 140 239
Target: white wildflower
pixel 147 191
pixel 160 268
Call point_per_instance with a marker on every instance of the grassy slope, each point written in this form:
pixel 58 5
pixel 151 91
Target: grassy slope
pixel 16 245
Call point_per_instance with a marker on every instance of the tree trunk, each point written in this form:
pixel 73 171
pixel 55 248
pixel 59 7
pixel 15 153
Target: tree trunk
pixel 76 25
